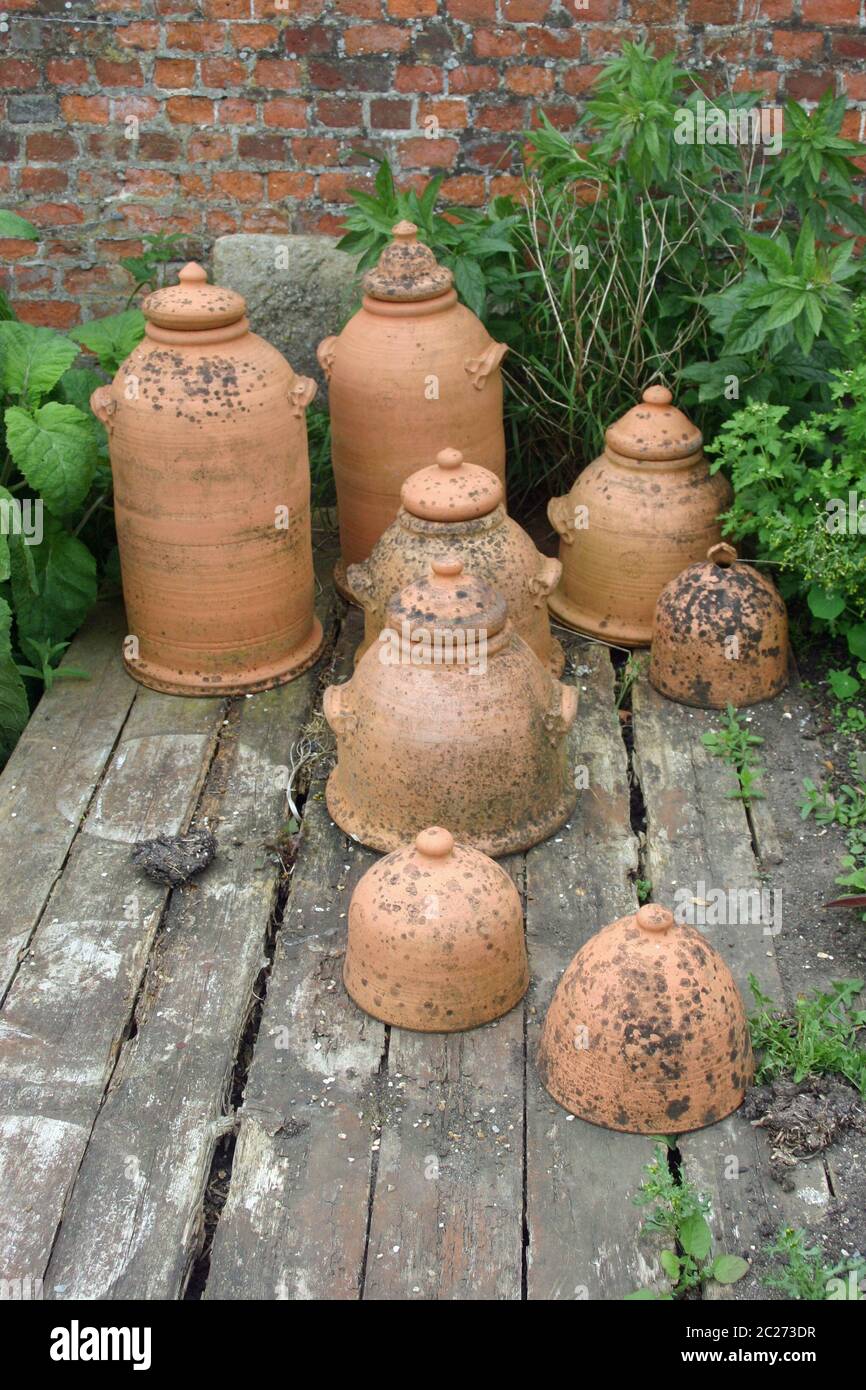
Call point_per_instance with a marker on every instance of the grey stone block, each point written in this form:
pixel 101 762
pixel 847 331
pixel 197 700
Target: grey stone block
pixel 32 109
pixel 299 289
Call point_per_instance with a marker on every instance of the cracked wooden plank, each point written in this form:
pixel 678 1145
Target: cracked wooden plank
pixel 584 1231
pixel 699 840
pixel 49 780
pixel 65 1017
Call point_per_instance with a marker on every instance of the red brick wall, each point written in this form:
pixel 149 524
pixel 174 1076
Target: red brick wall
pixel 250 112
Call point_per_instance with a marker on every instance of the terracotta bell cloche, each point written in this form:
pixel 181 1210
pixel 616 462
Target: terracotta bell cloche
pixel 721 634
pixel 646 1031
pixel 457 507
pixel 412 369
pixel 436 938
pixel 450 716
pixel 208 443
pixel 641 512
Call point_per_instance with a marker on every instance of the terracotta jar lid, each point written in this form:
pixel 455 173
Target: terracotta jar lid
pixel 654 430
pixel 193 303
pixel 447 598
pixel 407 269
pixel 647 1031
pixel 452 490
pixel 436 939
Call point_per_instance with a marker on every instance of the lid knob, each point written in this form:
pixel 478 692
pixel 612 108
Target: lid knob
pixel 449 458
pixel 193 274
pixel 448 567
pixel 405 231
pixel 722 554
pixel 435 842
pixel 657 395
pixel 654 918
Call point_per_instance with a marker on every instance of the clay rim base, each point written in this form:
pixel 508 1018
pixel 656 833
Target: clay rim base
pixel 556 660
pixel 720 704
pixel 507 842
pixel 341 584
pixel 665 1125
pixel 392 1022
pixel 570 616
pixel 169 682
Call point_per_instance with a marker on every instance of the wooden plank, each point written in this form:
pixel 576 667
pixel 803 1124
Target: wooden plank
pixel 584 1239
pixel 149 1157
pixel 295 1222
pixel 699 840
pixel 66 1014
pixel 447 1215
pixel 49 780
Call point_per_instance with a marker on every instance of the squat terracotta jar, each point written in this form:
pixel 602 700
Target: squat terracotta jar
pixel 208 447
pixel 413 369
pixel 634 519
pixel 450 716
pixel 436 938
pixel 721 635
pixel 647 1031
pixel 457 507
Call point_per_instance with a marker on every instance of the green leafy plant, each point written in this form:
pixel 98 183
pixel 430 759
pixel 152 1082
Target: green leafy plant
pixel 845 807
pixel 735 744
pixel 821 1037
pixel 13 228
pixel 635 665
pixel 678 1212
pixel 147 268
pixel 803 1275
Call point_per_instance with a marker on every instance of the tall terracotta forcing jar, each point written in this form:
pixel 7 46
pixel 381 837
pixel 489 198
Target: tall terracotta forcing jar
pixel 635 518
pixel 208 447
pixel 412 370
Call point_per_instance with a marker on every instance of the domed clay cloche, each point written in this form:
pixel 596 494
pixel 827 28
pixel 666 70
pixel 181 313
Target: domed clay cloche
pixel 436 938
pixel 634 519
pixel 721 634
pixel 450 718
pixel 457 507
pixel 646 1031
pixel 412 369
pixel 208 443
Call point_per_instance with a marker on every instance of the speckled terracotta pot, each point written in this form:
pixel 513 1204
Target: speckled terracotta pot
pixel 645 509
pixel 721 635
pixel 436 938
pixel 450 715
pixel 647 1031
pixel 413 369
pixel 457 507
pixel 208 441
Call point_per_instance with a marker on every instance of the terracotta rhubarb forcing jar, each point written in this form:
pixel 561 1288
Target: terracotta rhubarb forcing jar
pixel 450 717
pixel 457 507
pixel 208 442
pixel 634 519
pixel 647 1031
pixel 412 369
pixel 721 635
pixel 436 938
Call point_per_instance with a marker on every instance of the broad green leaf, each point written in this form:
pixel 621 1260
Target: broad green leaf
pixel 695 1237
pixel 76 387
pixel 7 313
pixel 823 605
pixel 770 252
pixel 112 339
pixel 844 685
pixel 14 709
pixel 32 360
pixel 65 585
pixel 641 1296
pixel 670 1264
pixel 470 282
pixel 857 640
pixel 727 1269
pixel 55 449
pixel 17 228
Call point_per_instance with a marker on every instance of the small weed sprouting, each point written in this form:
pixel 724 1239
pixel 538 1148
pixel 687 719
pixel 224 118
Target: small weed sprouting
pixel 679 1212
pixel 820 1038
pixel 846 808
pixel 631 671
pixel 735 745
pixel 804 1274
pixel 644 890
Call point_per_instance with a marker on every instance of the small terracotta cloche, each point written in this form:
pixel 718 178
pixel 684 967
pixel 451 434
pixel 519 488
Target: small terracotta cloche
pixel 720 635
pixel 459 508
pixel 647 1031
pixel 436 938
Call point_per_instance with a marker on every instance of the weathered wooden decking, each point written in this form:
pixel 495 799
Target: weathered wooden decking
pixel 191 1106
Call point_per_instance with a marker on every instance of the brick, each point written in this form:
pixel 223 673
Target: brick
pixel 209 147
pixel 192 186
pixel 264 220
pixel 849 46
pixel 608 42
pixel 474 79
pixel 55 215
pixel 652 12
pixel 114 250
pixel 794 43
pixel 289 113
pixel 221 221
pixel 830 11
pixel 808 86
pixel 43 180
pixel 239 184
pixel 51 147
pixel 390 115
pixel 375 38
pixel 412 9
pixel 28 110
pixel 336 187
pixel 72 73
pixel 225 9
pixel 190 110
pixel 316 151
pixel 80 110
pixel 263 149
pixel 96 277
pixel 289 184
pixel 855 86
pixel 711 12
pixel 196 37
pixel 110 74
pixel 533 11
pixel 338 111
pixel 506 117
pixel 255 36
pixel 314 38
pixel 489 154
pixel 507 186
pixel 153 145
pixel 471 9
pixel 9 146
pixel 34 279
pixel 465 188
pixel 15 73
pixel 236 111
pixel 151 183
pixel 420 78
pixel 764 81
pixel 282 74
pixel 361 9
pixel 322 223
pixel 48 313
pixel 15 249
pixel 428 154
pixel 223 72
pixel 143 36
pixel 529 81
pixel 451 115
pixel 497 43
pixel 553 43
pixel 851 125
pixel 143 108
pixel 579 81
pixel 350 74
pixel 174 72
pixel 777 9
